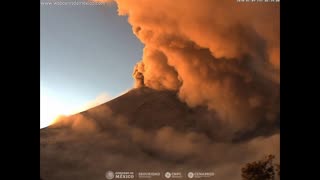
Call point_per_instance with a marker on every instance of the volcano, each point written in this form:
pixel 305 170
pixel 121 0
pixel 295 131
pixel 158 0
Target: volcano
pixel 150 131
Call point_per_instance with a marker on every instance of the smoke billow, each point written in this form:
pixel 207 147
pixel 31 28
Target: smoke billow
pixel 220 54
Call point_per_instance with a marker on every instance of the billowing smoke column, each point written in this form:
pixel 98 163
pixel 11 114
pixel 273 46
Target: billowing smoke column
pixel 219 54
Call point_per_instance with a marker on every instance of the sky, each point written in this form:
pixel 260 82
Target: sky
pixel 87 57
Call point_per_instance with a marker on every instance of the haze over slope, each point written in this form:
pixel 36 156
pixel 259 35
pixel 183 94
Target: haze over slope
pixel 145 130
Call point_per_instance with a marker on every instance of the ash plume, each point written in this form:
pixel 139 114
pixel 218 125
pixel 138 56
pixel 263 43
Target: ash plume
pixel 220 54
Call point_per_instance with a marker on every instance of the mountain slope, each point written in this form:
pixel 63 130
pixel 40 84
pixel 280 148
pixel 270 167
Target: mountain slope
pixel 146 129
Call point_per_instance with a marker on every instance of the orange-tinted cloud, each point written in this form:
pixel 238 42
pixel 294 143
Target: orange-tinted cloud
pixel 221 54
